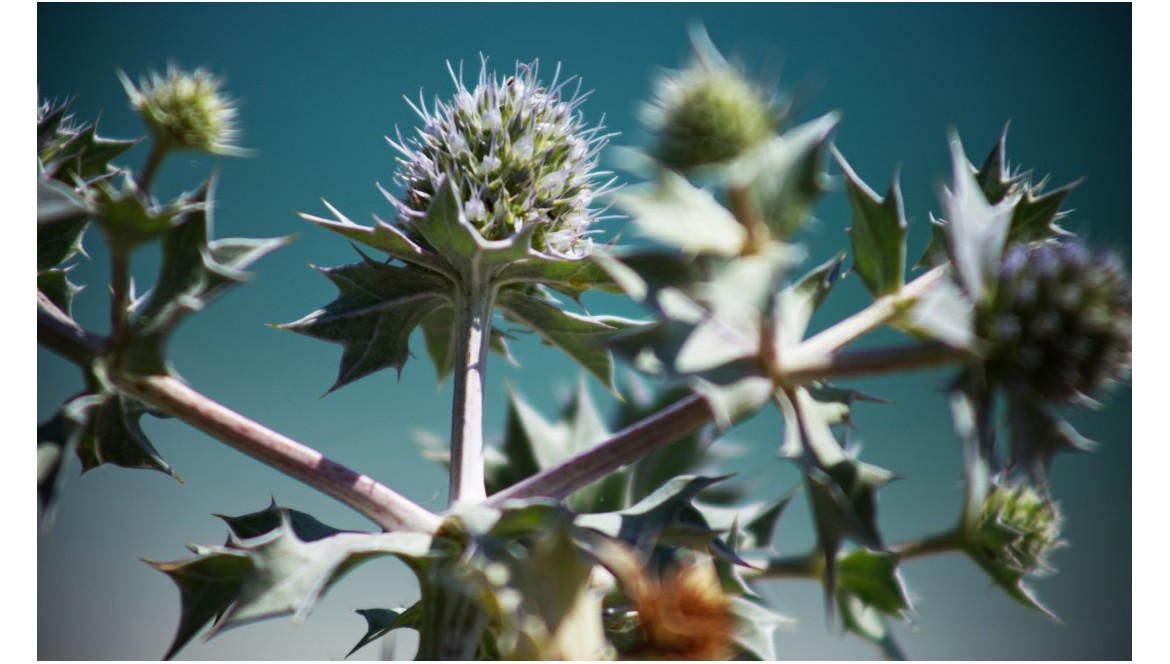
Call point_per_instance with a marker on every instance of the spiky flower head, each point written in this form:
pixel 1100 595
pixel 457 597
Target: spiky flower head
pixel 185 110
pixel 1018 528
pixel 708 113
pixel 520 153
pixel 1059 322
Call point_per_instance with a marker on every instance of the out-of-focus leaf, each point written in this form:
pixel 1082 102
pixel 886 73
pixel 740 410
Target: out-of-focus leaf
pixel 755 628
pixel 868 623
pixel 975 229
pixel 1038 434
pixel 872 576
pixel 57 441
pixel 735 401
pixel 55 285
pixel 194 272
pixel 944 314
pixel 784 176
pixel 795 305
pixel 878 233
pixel 645 521
pixel 676 213
pixel 57 206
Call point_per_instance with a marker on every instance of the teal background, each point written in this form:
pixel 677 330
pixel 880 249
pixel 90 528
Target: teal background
pixel 319 88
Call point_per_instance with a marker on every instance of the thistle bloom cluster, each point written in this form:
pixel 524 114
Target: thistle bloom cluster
pixel 1060 321
pixel 519 152
pixel 707 114
pixel 185 110
pixel 1020 528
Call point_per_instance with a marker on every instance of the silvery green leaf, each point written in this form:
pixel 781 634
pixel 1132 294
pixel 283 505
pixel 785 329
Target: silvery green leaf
pixel 582 338
pixel 57 441
pixel 944 314
pixel 1038 434
pixel 976 230
pixel 878 233
pixel 1037 212
pixel 57 205
pixel 194 272
pixel 571 277
pixel 646 520
pixel 755 628
pixel 288 575
pixel 784 177
pixel 794 306
pixel 55 285
pixel 114 435
pixel 868 623
pixel 208 584
pixel 680 215
pixel 380 622
pixel 734 401
pixel 872 577
pixel 383 237
pixel 377 308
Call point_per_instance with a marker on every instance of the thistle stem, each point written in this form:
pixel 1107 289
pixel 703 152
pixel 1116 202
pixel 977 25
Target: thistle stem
pixel 877 314
pixel 473 327
pixel 153 161
pixel 811 565
pixel 627 446
pixel 380 504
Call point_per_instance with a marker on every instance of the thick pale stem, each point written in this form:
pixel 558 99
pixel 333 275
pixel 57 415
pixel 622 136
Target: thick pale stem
pixel 877 314
pixel 473 327
pixel 377 502
pixel 627 446
pixel 120 288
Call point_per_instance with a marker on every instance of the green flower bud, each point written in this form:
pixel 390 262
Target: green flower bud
pixel 1059 321
pixel 519 152
pixel 185 111
pixel 1017 530
pixel 707 114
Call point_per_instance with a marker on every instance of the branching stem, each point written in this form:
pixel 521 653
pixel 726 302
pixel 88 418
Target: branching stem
pixel 811 565
pixel 382 505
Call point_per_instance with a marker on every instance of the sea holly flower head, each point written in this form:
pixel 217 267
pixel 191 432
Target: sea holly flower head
pixel 708 113
pixel 1018 528
pixel 186 110
pixel 519 153
pixel 1059 323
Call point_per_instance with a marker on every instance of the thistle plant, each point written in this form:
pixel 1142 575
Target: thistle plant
pixel 577 537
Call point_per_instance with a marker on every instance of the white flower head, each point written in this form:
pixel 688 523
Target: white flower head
pixel 520 153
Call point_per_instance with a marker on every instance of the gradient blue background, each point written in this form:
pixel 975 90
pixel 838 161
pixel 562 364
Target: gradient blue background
pixel 320 87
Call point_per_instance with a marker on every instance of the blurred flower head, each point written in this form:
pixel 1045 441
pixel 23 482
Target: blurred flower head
pixel 185 110
pixel 1059 323
pixel 1018 528
pixel 520 153
pixel 708 113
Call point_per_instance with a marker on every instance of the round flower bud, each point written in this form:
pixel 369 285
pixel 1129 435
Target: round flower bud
pixel 185 111
pixel 1018 529
pixel 1059 322
pixel 519 152
pixel 707 114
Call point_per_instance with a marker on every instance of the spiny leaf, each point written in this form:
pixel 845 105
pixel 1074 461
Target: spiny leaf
pixel 755 628
pixel 383 237
pixel 582 338
pixel 114 435
pixel 975 230
pixel 59 208
pixel 943 314
pixel 795 305
pixel 55 285
pixel 868 623
pixel 377 307
pixel 571 277
pixel 380 622
pixel 305 526
pixel 666 508
pixel 872 576
pixel 288 575
pixel 878 233
pixel 194 272
pixel 208 584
